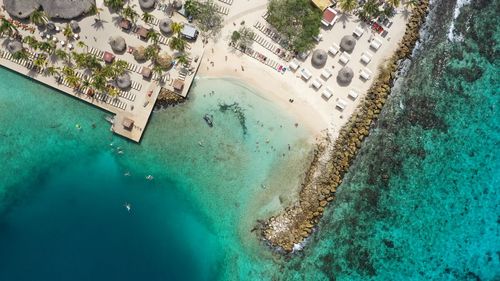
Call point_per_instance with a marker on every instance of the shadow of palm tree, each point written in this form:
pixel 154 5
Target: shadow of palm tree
pixel 344 18
pixel 98 24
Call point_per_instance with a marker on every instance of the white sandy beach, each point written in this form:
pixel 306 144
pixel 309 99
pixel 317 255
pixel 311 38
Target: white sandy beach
pixel 311 110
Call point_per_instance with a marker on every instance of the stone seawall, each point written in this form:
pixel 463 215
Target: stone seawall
pixel 332 159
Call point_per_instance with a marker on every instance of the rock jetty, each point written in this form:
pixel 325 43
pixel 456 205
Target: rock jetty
pixel 332 159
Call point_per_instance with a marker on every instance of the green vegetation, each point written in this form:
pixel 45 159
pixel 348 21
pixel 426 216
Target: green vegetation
pixel 370 10
pixel 205 16
pixel 129 13
pixel 243 36
pixel 348 6
pixel 147 17
pixel 39 18
pixel 68 32
pixel 297 20
pixel 115 4
pixel 6 27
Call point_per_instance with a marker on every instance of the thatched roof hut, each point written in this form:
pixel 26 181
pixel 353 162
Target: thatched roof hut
pixel 123 81
pixel 319 58
pixel 348 43
pixel 166 25
pixel 64 9
pixel 117 43
pixel 345 75
pixel 139 53
pixel 147 4
pixel 177 4
pixel 164 60
pixel 14 46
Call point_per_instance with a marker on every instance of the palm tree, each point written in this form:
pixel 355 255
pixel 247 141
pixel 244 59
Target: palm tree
pixel 52 70
pixel 119 67
pixel 393 3
pixel 73 80
pixel 129 13
pixel 177 28
pixel 147 17
pixel 177 43
pixel 68 71
pixel 68 32
pixel 151 52
pixel 62 55
pixel 98 81
pixel 153 35
pixel 21 55
pixel 82 45
pixel 114 4
pixel 40 62
pixel 348 5
pixel 7 27
pixel 31 41
pixel 39 18
pixel 86 84
pixel 158 70
pixel 183 59
pixel 113 92
pixel 411 3
pixel 370 9
pixel 47 47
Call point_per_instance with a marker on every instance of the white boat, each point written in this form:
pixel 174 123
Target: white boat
pixel 149 177
pixel 128 206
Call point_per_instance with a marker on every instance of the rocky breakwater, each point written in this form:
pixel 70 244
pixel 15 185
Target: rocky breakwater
pixel 63 9
pixel 332 159
pixel 168 98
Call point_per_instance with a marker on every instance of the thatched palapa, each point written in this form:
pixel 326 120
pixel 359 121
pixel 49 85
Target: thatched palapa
pixel 147 4
pixel 123 81
pixel 14 46
pixel 348 43
pixel 345 75
pixel 166 25
pixel 319 58
pixel 117 43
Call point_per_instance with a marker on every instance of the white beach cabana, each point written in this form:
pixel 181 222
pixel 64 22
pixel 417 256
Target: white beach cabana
pixel 365 74
pixel 341 104
pixel 294 65
pixel 366 57
pixel 353 94
pixel 327 93
pixel 316 84
pixel 329 17
pixel 305 73
pixel 326 74
pixel 358 31
pixel 344 58
pixel 334 49
pixel 375 44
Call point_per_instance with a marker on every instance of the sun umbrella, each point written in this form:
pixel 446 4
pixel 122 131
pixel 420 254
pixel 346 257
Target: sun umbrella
pixel 123 81
pixel 348 43
pixel 166 25
pixel 14 46
pixel 147 4
pixel 117 43
pixel 319 58
pixel 345 75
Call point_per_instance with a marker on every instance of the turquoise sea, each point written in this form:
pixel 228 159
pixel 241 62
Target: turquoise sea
pixel 421 201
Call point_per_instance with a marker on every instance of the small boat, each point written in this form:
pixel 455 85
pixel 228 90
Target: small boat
pixel 127 174
pixel 149 177
pixel 209 119
pixel 127 206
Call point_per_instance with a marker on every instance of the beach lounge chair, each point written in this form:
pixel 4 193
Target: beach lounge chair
pixel 327 93
pixel 353 94
pixel 358 31
pixel 341 104
pixel 366 57
pixel 316 84
pixel 344 58
pixel 326 74
pixel 334 49
pixel 365 74
pixel 294 64
pixel 305 73
pixel 375 44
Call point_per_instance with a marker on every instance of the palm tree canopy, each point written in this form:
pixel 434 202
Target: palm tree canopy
pixel 38 17
pixel 348 5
